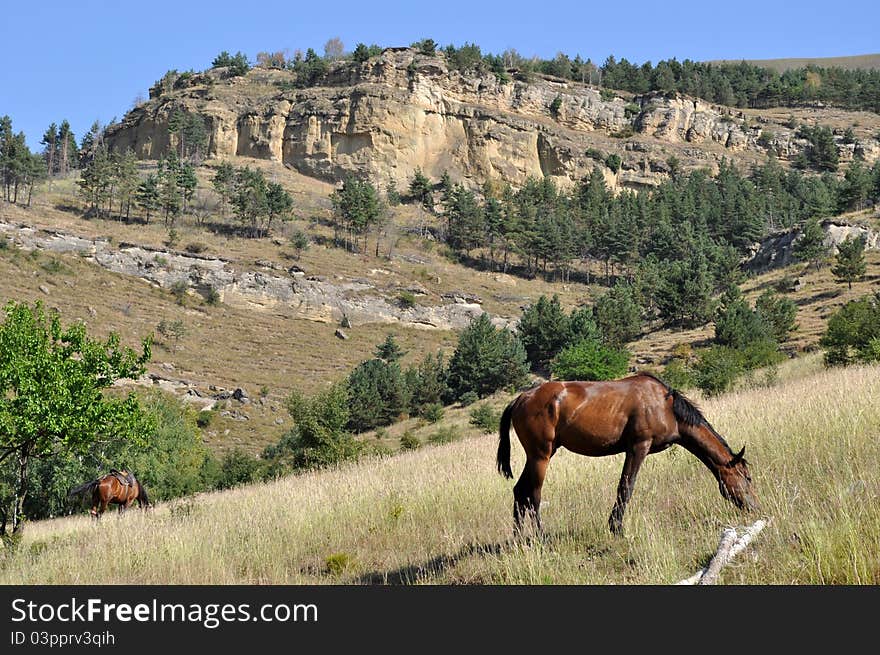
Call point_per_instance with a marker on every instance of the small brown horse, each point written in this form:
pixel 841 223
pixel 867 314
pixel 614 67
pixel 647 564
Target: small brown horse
pixel 116 488
pixel 638 415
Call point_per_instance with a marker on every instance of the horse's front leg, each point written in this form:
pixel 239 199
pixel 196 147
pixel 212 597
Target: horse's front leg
pixel 631 465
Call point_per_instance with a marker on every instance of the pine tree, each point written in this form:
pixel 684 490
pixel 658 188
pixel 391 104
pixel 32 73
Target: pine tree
pixel 186 184
pixel 96 180
pixel 618 315
pixel 486 359
pixel 850 261
pixel 856 187
pixel 223 183
pixel 810 247
pixel 250 201
pixel 544 329
pixel 126 180
pixel 356 208
pixel 148 195
pixel 50 140
pixel 169 194
pixel 278 204
pixel 420 189
pixel 389 350
pixel 68 154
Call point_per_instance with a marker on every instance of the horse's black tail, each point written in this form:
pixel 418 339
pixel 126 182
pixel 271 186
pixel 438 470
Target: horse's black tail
pixel 503 458
pixel 87 486
pixel 142 498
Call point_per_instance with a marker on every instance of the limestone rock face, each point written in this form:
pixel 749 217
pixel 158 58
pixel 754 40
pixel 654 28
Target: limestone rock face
pixel 317 299
pixel 402 110
pixel 778 250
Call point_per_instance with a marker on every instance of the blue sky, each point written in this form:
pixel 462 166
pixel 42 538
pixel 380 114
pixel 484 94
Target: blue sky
pixel 88 60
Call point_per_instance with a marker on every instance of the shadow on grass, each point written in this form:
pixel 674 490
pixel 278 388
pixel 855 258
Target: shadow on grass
pixel 414 572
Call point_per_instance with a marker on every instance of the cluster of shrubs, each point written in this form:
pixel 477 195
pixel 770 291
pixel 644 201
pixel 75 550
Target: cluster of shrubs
pixel 746 339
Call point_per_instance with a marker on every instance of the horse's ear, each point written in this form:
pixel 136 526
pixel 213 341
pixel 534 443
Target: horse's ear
pixel 738 457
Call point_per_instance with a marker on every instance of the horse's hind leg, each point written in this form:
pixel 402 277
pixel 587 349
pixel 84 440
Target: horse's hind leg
pixel 527 494
pixel 631 465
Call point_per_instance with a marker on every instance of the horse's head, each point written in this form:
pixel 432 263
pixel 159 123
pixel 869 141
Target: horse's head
pixel 735 482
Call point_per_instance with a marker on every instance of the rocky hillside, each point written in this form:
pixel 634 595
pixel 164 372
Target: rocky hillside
pixel 403 110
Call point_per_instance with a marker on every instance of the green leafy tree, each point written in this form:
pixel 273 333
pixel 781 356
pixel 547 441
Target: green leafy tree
pixel 96 181
pixel 850 263
pixel 250 200
pixel 685 295
pixel 50 141
pixel 853 333
pixel 426 47
pixel 309 69
pixel 737 325
pixel 822 152
pixel 465 221
pixel 716 369
pixel 192 136
pixel 127 180
pixel 361 53
pixel 186 184
pixel 319 436
pixel 589 359
pixel 486 359
pixel 173 461
pixel 855 191
pixel 237 468
pixel 52 381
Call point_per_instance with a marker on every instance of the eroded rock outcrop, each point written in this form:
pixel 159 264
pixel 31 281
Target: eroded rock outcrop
pixel 777 250
pixel 318 299
pixel 402 110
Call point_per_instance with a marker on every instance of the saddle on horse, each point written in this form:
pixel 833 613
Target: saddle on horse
pixel 124 477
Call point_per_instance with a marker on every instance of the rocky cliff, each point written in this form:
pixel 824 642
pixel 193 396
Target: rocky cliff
pixel 403 110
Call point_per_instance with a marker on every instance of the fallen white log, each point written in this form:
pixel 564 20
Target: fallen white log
pixel 729 546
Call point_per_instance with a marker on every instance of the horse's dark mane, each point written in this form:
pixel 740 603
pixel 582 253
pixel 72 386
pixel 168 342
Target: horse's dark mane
pixel 686 410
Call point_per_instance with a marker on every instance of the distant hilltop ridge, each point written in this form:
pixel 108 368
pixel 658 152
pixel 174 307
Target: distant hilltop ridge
pixel 402 110
pixel 852 62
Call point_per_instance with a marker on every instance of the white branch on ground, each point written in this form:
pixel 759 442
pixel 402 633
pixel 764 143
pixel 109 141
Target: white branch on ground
pixel 730 545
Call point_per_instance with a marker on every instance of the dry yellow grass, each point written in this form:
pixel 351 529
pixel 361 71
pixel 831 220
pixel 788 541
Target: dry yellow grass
pixel 441 514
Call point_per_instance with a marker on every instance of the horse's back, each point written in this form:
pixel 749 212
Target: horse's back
pixel 594 418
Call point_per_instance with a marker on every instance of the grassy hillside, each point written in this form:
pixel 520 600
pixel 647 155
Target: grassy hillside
pixel 855 62
pixel 441 514
pixel 270 350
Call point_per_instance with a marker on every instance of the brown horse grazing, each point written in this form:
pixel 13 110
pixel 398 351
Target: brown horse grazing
pixel 638 415
pixel 117 488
